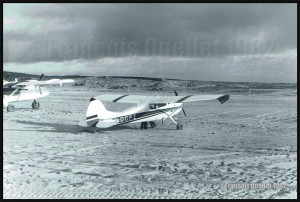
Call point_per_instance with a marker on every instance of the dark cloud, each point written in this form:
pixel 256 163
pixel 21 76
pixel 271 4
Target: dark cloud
pixel 92 31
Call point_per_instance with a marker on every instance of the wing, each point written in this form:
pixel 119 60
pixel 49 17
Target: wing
pixel 48 82
pixel 204 97
pixel 124 98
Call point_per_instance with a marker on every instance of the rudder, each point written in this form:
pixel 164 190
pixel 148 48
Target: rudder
pixel 96 111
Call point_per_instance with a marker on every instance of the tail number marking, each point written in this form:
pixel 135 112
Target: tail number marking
pixel 126 118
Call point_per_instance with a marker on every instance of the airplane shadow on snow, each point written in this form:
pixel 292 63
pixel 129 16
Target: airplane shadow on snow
pixel 59 127
pixel 75 129
pixel 69 128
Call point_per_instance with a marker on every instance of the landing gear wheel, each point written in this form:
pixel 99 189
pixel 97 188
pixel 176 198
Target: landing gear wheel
pixel 10 108
pixel 35 105
pixel 144 125
pixel 179 126
pixel 91 129
pixel 152 124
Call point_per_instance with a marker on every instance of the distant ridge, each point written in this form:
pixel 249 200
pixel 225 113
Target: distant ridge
pixel 137 77
pixel 24 76
pixel 14 75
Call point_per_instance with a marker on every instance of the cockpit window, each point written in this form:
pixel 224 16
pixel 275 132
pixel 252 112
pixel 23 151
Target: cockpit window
pixel 161 104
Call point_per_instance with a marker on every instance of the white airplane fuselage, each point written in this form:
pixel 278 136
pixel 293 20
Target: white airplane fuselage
pixel 98 115
pixel 29 90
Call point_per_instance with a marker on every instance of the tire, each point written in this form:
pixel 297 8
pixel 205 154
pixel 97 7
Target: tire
pixel 35 105
pixel 179 127
pixel 10 108
pixel 144 125
pixel 152 124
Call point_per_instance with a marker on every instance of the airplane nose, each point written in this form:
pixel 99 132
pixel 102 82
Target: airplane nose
pixel 179 104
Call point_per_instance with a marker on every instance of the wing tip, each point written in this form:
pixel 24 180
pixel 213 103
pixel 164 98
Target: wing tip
pixel 223 98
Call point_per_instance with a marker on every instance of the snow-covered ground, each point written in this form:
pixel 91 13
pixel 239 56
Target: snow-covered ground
pixel 248 141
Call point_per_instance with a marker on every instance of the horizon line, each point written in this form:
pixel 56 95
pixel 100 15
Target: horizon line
pixel 150 78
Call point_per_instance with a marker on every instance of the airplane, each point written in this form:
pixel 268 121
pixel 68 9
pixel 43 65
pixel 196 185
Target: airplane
pixel 28 90
pixel 7 82
pixel 148 109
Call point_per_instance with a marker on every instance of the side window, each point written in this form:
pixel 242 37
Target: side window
pixel 158 105
pixel 161 105
pixel 152 106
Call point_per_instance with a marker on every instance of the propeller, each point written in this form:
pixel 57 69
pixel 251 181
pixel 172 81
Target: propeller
pixel 176 94
pixel 41 77
pixel 183 112
pixel 38 87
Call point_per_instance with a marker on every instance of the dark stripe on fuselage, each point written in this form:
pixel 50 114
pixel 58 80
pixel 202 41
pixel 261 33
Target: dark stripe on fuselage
pixel 119 98
pixel 184 98
pixel 91 117
pixel 145 115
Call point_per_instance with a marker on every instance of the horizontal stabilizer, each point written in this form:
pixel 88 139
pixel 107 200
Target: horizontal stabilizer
pixel 106 124
pixel 83 124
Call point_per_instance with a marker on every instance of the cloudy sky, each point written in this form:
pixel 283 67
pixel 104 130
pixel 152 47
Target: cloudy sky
pixel 221 42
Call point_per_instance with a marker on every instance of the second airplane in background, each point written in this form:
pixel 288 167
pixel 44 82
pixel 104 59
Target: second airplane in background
pixel 27 90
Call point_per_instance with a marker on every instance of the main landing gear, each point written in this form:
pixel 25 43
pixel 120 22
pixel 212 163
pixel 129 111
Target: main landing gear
pixel 144 125
pixel 152 124
pixel 179 126
pixel 10 108
pixel 35 105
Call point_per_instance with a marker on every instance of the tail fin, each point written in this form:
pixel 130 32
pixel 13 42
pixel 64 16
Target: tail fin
pixel 96 111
